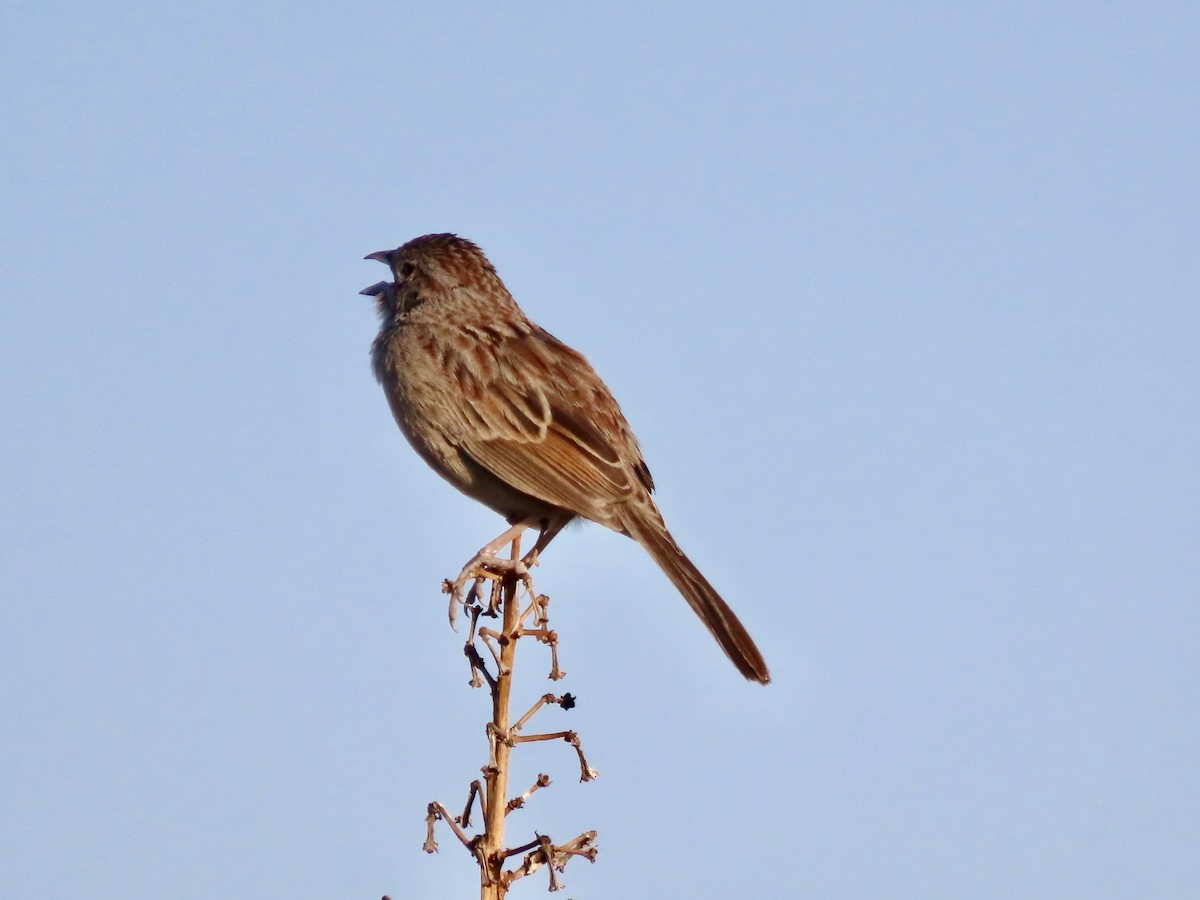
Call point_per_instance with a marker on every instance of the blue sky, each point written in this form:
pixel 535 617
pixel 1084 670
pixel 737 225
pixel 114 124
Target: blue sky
pixel 901 302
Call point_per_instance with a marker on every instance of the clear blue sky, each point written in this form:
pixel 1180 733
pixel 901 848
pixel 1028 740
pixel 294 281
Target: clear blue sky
pixel 903 302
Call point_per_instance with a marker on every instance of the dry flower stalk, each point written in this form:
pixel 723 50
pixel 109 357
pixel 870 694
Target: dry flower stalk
pixel 506 583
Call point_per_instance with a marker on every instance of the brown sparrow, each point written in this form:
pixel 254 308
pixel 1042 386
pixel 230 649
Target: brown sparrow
pixel 516 419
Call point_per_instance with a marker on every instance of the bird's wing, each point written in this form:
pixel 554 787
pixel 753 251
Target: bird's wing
pixel 549 427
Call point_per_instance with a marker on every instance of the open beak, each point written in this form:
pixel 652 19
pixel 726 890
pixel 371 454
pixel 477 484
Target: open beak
pixel 376 289
pixel 383 256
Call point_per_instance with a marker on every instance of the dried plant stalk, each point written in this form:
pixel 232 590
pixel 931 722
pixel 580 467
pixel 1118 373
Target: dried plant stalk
pixel 496 777
pixel 487 847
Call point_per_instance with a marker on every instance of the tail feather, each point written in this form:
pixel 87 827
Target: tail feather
pixel 647 529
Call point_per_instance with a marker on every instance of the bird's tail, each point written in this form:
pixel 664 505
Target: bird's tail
pixel 645 526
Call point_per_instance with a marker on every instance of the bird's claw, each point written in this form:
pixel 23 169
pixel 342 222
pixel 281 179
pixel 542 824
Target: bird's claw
pixel 485 566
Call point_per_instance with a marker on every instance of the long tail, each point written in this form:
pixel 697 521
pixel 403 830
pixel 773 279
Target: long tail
pixel 647 528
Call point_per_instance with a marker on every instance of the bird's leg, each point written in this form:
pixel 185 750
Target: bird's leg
pixel 545 536
pixel 487 564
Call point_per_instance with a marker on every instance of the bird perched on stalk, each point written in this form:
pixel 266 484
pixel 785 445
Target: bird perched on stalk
pixel 519 421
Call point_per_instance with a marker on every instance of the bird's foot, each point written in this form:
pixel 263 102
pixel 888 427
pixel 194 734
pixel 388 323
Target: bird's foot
pixel 485 566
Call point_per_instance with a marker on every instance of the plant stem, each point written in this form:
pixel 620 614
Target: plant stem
pixel 492 844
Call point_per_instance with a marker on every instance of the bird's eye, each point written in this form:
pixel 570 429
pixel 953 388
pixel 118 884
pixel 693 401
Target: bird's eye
pixel 406 269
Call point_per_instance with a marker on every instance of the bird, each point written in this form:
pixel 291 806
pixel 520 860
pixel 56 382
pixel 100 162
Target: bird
pixel 519 421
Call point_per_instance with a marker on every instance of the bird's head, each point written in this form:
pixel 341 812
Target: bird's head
pixel 438 262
